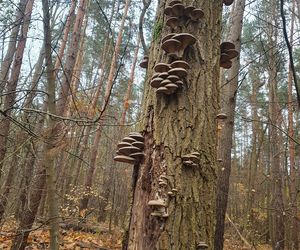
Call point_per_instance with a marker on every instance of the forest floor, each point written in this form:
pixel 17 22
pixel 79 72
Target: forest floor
pixel 101 240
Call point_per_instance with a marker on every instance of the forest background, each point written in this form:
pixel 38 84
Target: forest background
pixel 96 47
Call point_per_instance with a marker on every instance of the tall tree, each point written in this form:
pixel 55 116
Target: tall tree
pixel 229 90
pixel 174 126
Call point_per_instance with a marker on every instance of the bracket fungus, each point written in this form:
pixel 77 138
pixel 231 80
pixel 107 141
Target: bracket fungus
pixel 228 2
pixel 159 208
pixel 202 246
pixel 181 14
pixel 174 45
pixel 191 160
pixel 130 149
pixel 221 116
pixel 168 77
pixel 228 52
pixel 144 62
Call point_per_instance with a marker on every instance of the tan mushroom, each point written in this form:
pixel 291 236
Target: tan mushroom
pixel 172 22
pixel 138 144
pixel 226 65
pixel 165 82
pixel 232 53
pixel 155 83
pixel 167 37
pixel 171 46
pixel 180 64
pixel 128 139
pixel 129 150
pixel 186 40
pixel 136 136
pixel 161 67
pixel 226 46
pixel 124 159
pixel 196 14
pixel 164 75
pixel 180 72
pixel 173 78
pixel 178 10
pixel 162 90
pixel 123 144
pixel 137 155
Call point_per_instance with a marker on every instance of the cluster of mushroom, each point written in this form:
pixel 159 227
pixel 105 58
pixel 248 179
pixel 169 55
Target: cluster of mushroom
pixel 227 2
pixel 144 62
pixel 191 160
pixel 168 77
pixel 175 44
pixel 179 14
pixel 228 52
pixel 130 149
pixel 159 205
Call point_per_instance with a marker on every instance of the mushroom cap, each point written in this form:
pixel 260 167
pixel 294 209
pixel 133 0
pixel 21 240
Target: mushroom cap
pixel 138 144
pixel 128 139
pixel 171 45
pixel 157 203
pixel 226 46
pixel 226 65
pixel 137 155
pixel 173 78
pixel 172 22
pixel 171 86
pixel 186 39
pixel 169 11
pixel 228 2
pixel 155 83
pixel 162 183
pixel 178 9
pixel 137 136
pixel 196 14
pixel 181 72
pixel 174 2
pixel 164 75
pixel 220 160
pixel 180 64
pixel 144 64
pixel 188 163
pixel 196 154
pixel 170 193
pixel 221 116
pixel 191 157
pixel 155 75
pixel 165 82
pixel 123 144
pixel 201 245
pixel 179 83
pixel 167 37
pixel 232 53
pixel 188 10
pixel 129 150
pixel 125 159
pixel 174 190
pixel 224 58
pixel 162 90
pixel 161 67
pixel 163 177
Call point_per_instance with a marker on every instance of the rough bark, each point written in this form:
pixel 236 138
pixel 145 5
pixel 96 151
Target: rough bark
pixel 174 126
pixel 228 103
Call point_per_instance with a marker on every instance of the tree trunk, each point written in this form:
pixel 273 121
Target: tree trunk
pixel 293 187
pixel 12 84
pixel 174 126
pixel 7 61
pixel 228 102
